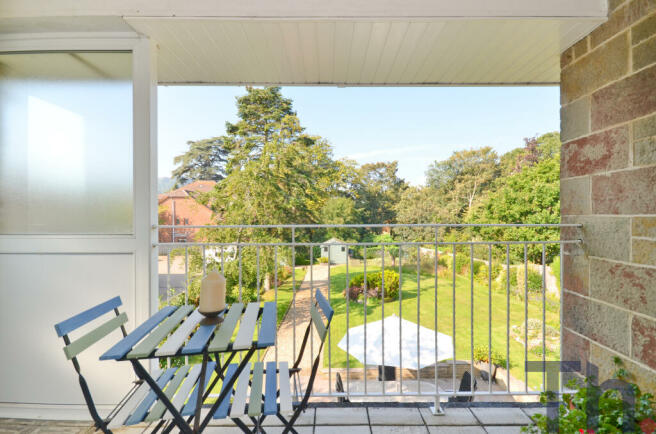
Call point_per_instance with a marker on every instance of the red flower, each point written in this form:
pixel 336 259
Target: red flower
pixel 586 431
pixel 648 426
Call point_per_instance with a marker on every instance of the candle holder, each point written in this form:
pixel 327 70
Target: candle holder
pixel 212 318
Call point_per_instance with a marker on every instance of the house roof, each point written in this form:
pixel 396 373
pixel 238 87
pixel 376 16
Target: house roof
pixel 189 190
pixel 334 241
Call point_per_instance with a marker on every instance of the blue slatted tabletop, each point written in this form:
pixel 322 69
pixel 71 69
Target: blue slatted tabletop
pixel 161 327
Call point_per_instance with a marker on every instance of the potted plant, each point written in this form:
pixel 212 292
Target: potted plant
pixel 600 408
pixel 482 362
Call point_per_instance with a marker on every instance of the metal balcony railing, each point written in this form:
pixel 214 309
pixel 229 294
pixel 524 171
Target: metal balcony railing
pixel 470 290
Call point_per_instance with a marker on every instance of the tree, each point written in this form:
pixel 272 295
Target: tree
pixel 420 205
pixel 377 190
pixel 393 250
pixel 340 211
pixel 529 196
pixel 205 160
pixel 463 177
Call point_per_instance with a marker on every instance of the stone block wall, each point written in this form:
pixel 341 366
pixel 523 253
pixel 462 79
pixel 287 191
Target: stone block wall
pixel 608 184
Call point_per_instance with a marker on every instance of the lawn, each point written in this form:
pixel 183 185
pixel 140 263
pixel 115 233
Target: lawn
pixel 445 296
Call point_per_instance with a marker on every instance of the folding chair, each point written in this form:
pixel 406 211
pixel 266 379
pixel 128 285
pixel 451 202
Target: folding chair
pixel 276 398
pixel 140 403
pixel 465 386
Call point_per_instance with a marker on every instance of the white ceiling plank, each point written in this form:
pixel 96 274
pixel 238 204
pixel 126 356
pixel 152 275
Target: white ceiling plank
pixel 375 51
pixel 359 44
pixel 326 51
pixel 362 52
pixel 308 40
pixel 344 31
pixel 397 33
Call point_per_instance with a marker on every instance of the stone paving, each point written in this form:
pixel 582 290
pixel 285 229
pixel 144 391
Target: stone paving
pixel 322 419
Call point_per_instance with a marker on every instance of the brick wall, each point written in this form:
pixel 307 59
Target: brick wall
pixel 608 183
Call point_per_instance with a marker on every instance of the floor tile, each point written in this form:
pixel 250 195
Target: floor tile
pixel 452 416
pixel 299 429
pixel 344 429
pixel 500 416
pixel 395 416
pixel 456 430
pixel 530 412
pixel 342 416
pixel 509 429
pixel 396 429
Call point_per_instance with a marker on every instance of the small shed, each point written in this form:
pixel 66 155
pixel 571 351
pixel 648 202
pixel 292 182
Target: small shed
pixel 334 249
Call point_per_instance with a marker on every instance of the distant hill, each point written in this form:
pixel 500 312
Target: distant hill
pixel 164 184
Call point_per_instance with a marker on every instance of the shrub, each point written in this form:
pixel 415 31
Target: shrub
pixel 374 284
pixel 534 280
pixel 481 354
pixel 555 269
pixel 323 260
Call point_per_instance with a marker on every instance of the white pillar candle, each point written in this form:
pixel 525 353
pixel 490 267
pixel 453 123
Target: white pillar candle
pixel 212 293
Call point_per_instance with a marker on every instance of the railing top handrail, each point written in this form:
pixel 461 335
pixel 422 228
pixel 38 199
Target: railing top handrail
pixel 375 225
pixel 397 243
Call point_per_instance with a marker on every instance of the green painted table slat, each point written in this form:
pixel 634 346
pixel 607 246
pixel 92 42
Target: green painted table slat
pixel 146 347
pixel 226 328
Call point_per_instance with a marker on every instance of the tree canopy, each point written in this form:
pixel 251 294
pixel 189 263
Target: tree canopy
pixel 205 160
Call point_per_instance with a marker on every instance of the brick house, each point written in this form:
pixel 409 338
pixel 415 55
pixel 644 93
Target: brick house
pixel 183 206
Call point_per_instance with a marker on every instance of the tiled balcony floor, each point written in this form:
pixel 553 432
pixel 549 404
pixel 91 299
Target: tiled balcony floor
pixel 323 419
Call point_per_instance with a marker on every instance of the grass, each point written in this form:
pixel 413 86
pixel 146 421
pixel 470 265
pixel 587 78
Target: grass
pixel 285 293
pixel 445 299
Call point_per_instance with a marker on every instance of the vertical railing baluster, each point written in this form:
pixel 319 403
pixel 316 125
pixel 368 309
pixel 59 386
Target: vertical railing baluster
pixel 382 304
pixel 544 315
pixel 560 308
pixel 275 296
pixel 400 320
pixel 311 303
pixel 525 314
pixel 471 315
pixel 365 319
pixel 489 318
pixel 348 335
pixel 239 251
pixel 418 319
pixel 508 317
pixel 222 260
pixel 294 292
pixel 168 277
pixel 257 288
pixel 186 286
pixel 453 327
pixel 330 365
pixel 436 374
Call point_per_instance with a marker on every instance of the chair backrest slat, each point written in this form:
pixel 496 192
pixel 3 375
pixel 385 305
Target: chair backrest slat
pixel 76 347
pixel 88 315
pixel 325 306
pixel 318 322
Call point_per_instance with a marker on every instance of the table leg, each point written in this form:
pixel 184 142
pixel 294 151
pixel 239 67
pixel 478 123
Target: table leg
pixel 199 396
pixel 228 388
pixel 177 417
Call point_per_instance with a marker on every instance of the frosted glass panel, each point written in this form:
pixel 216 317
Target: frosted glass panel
pixel 66 143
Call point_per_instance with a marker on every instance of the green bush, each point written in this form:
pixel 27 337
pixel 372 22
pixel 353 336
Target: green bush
pixel 481 354
pixel 374 284
pixel 323 260
pixel 555 269
pixel 534 280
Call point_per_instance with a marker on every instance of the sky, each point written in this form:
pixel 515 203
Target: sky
pixel 413 125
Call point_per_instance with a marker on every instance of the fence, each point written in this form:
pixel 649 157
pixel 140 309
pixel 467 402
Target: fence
pixel 489 283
